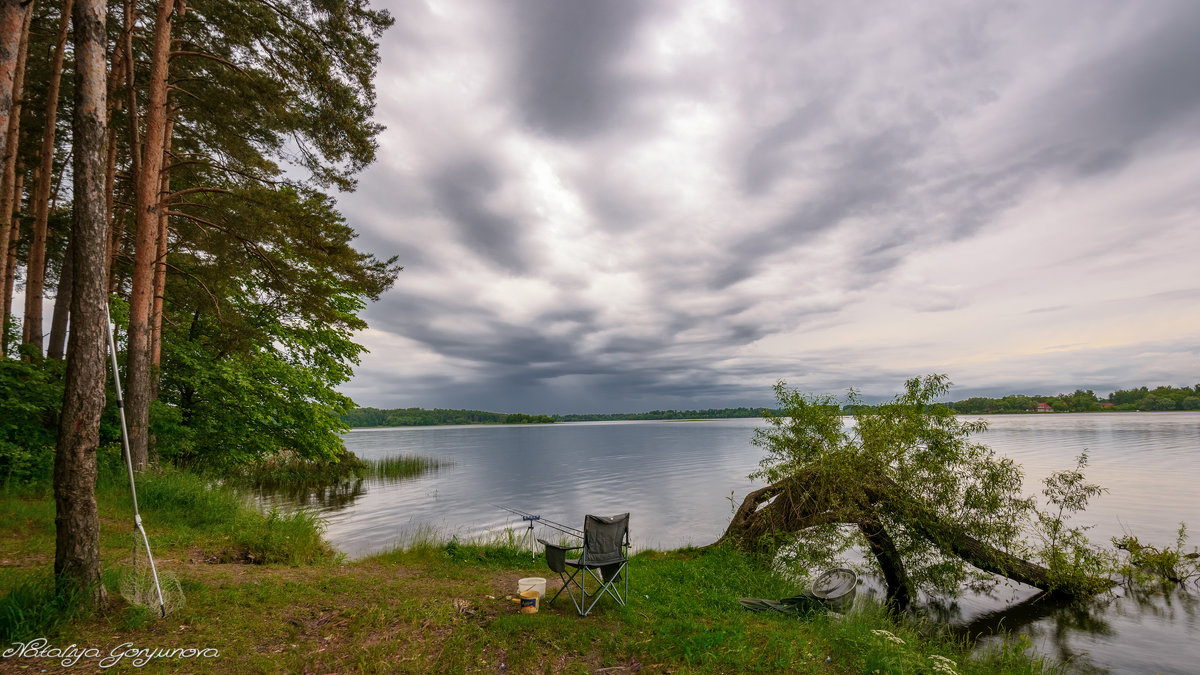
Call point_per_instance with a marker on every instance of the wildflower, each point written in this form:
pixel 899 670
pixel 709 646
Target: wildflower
pixel 942 664
pixel 887 636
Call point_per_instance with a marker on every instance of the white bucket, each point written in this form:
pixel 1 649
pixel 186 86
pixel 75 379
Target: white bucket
pixel 532 584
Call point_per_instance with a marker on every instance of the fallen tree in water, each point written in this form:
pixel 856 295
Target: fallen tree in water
pixel 933 509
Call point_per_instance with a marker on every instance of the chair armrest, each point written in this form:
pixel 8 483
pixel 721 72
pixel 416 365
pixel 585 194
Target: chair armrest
pixel 556 546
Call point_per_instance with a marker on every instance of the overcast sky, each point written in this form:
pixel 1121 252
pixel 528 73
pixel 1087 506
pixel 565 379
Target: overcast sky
pixel 626 205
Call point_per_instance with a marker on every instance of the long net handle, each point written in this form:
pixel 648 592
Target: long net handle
pixel 137 517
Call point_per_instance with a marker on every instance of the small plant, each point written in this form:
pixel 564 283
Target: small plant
pixel 887 635
pixel 942 664
pixel 1145 563
pixel 1073 562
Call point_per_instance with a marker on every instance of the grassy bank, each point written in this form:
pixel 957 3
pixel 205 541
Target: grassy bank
pixel 432 606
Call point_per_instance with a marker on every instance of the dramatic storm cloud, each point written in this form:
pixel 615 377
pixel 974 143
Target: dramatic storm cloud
pixel 628 205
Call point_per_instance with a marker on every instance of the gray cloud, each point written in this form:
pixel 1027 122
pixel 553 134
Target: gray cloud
pixel 566 79
pixel 629 205
pixel 462 192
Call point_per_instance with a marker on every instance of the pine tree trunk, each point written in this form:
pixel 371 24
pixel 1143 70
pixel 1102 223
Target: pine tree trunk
pixel 116 234
pixel 62 304
pixel 147 201
pixel 77 525
pixel 160 271
pixel 135 145
pixel 110 182
pixel 123 70
pixel 12 20
pixel 35 275
pixel 9 251
pixel 16 46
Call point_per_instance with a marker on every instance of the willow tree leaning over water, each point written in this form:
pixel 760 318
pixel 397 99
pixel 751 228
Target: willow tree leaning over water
pixel 935 510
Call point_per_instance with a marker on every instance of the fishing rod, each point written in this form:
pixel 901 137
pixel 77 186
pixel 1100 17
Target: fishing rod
pixel 525 515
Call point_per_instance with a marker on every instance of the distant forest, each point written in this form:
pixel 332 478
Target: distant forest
pixel 1124 400
pixel 1142 398
pixel 417 417
pixel 411 417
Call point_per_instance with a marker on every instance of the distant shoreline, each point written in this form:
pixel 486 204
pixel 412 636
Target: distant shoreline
pixel 417 417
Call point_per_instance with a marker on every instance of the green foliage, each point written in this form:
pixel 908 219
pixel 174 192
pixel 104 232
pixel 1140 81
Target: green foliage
pixel 261 331
pixel 1074 564
pixel 917 453
pixel 302 91
pixel 11 337
pixel 288 467
pixel 30 400
pixel 1146 564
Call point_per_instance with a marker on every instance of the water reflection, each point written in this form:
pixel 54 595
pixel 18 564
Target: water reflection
pixel 1049 622
pixel 1153 635
pixel 321 496
pixel 325 496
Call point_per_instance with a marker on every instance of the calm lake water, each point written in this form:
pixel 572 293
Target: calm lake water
pixel 676 479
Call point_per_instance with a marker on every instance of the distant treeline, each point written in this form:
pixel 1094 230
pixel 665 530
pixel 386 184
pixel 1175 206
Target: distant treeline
pixel 709 414
pixel 418 417
pixel 1142 398
pixel 414 417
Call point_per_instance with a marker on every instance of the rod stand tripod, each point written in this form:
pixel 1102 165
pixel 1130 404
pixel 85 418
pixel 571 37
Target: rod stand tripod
pixel 529 536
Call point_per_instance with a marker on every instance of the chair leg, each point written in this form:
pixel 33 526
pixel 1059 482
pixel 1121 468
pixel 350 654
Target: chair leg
pixel 566 582
pixel 609 587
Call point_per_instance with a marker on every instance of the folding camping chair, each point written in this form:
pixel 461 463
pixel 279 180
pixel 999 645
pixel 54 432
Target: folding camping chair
pixel 604 558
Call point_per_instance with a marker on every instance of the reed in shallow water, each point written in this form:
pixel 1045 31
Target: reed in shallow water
pixel 290 470
pixel 400 466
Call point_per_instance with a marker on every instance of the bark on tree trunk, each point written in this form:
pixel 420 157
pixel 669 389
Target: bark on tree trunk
pixel 110 184
pixel 9 252
pixel 147 200
pixel 56 349
pixel 160 271
pixel 35 275
pixel 16 47
pixel 899 587
pixel 135 145
pixel 12 19
pixel 116 233
pixel 77 525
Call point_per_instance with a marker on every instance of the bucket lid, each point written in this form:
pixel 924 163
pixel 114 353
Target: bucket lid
pixel 834 584
pixel 527 581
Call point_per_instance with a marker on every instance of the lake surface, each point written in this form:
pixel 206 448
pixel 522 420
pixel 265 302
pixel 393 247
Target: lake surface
pixel 676 479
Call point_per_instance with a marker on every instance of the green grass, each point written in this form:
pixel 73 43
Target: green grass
pixel 34 607
pixel 395 612
pixel 683 611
